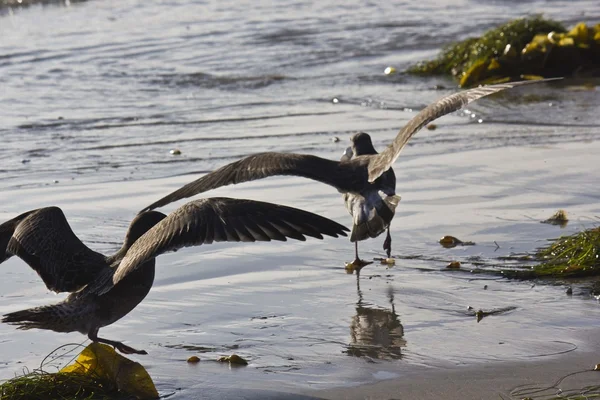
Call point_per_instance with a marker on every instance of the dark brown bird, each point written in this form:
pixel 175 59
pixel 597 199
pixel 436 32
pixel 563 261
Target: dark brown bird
pixel 104 289
pixel 364 177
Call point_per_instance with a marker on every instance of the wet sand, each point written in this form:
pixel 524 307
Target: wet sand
pixel 538 378
pixel 565 375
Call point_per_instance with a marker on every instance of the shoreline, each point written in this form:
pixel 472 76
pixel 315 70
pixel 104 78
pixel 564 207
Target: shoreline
pixel 541 377
pixel 545 377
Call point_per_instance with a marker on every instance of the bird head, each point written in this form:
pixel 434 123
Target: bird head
pixel 141 224
pixel 361 144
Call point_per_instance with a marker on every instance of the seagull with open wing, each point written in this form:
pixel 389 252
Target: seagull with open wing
pixel 364 177
pixel 106 288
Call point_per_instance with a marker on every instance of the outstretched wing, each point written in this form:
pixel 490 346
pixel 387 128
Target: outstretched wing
pixel 7 230
pixel 44 240
pixel 443 106
pixel 263 165
pixel 221 219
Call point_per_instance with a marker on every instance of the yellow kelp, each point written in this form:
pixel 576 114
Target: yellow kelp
pixel 104 362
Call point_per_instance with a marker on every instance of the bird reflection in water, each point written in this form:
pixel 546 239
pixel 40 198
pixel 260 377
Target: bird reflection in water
pixel 376 332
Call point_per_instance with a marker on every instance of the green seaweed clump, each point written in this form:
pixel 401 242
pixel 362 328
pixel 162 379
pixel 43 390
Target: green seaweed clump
pixel 570 256
pixel 463 56
pixel 525 48
pixel 98 373
pixel 41 385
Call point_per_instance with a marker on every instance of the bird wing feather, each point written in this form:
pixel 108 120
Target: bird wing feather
pixel 382 162
pixel 263 165
pixel 44 239
pixel 224 219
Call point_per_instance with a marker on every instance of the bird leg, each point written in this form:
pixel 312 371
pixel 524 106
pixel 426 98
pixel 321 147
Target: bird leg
pixel 123 348
pixel 357 264
pixel 387 243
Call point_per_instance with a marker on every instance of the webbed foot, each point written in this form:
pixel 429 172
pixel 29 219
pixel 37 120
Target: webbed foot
pixel 356 265
pixel 123 348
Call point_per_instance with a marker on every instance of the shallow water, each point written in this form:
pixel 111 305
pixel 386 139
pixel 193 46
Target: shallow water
pixel 95 95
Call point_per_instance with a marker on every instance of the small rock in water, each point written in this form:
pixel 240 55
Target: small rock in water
pixel 233 359
pixel 453 265
pixel 485 287
pixel 559 218
pixel 569 291
pixel 55 181
pixel 193 359
pixel 335 139
pixel 432 127
pixel 451 241
pixel 175 152
pixel 388 261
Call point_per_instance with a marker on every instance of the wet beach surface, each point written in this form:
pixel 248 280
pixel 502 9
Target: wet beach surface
pixel 96 94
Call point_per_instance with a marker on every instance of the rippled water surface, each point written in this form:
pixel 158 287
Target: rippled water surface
pixel 95 94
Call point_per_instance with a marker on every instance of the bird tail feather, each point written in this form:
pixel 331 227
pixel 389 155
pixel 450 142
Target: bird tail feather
pixel 377 220
pixel 60 317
